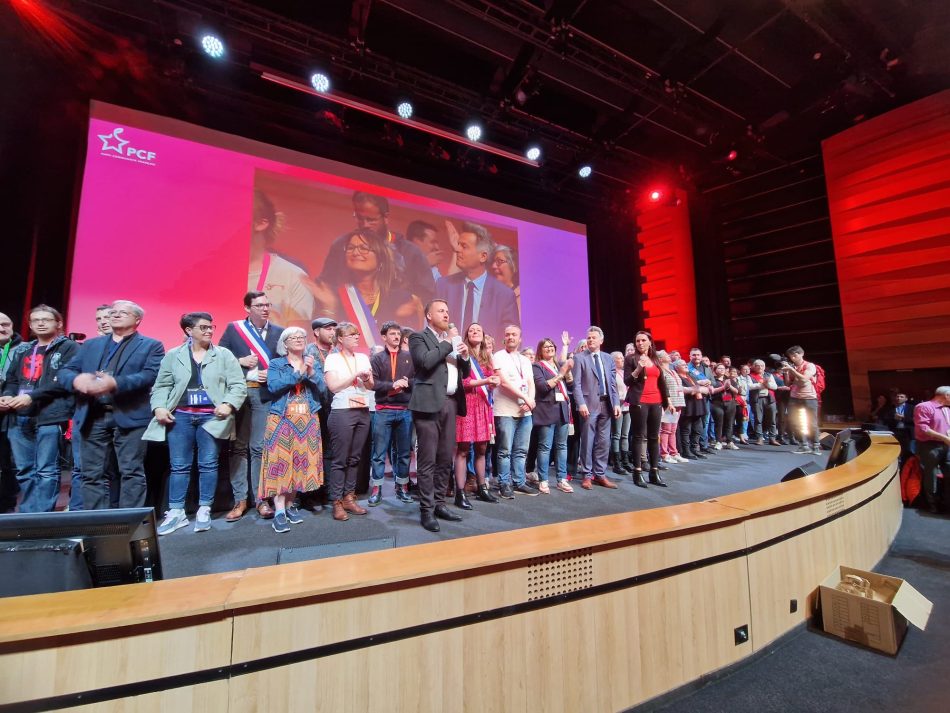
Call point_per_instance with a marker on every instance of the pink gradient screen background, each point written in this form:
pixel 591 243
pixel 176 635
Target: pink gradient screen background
pixel 165 220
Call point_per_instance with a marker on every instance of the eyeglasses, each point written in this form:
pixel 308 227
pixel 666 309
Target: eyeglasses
pixel 363 219
pixel 206 328
pixel 298 338
pixel 261 305
pixel 362 249
pixel 41 320
pixel 347 336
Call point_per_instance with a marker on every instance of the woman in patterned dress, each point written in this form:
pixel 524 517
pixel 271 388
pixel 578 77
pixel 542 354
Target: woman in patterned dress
pixel 293 449
pixel 478 425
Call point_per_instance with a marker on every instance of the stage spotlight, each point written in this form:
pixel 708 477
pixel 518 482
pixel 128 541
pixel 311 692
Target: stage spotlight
pixel 473 132
pixel 320 82
pixel 656 195
pixel 533 153
pixel 732 155
pixel 404 110
pixel 212 46
pixel 585 171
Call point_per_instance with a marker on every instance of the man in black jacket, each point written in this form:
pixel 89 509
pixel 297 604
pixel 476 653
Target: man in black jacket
pixel 35 392
pixel 440 359
pixel 392 422
pixel 9 340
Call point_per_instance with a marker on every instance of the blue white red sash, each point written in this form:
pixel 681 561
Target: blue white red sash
pixel 359 313
pixel 254 342
pixel 476 370
pixel 560 384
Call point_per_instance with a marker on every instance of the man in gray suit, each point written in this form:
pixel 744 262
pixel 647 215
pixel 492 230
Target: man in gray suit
pixel 440 359
pixel 595 391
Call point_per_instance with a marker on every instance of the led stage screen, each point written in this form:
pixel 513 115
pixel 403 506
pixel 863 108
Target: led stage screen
pixel 181 218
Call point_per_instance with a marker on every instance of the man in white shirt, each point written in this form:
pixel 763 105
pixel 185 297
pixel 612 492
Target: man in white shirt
pixel 514 402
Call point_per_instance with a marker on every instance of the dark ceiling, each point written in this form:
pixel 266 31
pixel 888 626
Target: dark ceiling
pixel 639 88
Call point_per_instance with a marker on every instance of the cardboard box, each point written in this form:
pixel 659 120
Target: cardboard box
pixel 879 623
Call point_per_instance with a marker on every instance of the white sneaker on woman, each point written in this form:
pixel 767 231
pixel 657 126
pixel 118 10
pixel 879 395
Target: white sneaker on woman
pixel 718 446
pixel 681 459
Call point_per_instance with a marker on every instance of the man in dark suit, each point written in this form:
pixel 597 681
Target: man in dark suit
pixel 441 361
pixel 472 293
pixel 253 341
pixel 595 392
pixel 112 377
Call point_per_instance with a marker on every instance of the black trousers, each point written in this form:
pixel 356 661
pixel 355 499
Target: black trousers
pixel 690 428
pixel 100 439
pixel 435 454
pixel 933 455
pixel 349 429
pixel 645 433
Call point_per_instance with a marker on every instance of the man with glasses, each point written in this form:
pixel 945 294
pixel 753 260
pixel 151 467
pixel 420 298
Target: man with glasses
pixel 371 213
pixel 253 340
pixel 112 377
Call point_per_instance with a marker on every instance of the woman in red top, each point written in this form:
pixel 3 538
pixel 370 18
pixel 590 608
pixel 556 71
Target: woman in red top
pixel 477 426
pixel 647 395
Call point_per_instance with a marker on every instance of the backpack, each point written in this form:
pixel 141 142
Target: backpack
pixel 911 478
pixel 819 380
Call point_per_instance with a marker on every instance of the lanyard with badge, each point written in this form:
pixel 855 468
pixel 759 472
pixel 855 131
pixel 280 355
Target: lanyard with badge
pixel 198 396
pixel 354 400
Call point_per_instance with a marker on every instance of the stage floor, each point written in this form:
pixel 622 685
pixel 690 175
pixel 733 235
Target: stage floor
pixel 252 542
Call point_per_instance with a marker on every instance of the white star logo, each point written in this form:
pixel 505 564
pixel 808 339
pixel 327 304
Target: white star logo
pixel 114 136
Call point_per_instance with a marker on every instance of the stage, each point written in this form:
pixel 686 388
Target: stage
pixel 251 542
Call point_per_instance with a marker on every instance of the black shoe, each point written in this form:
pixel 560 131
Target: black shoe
pixel 461 500
pixel 660 466
pixel 429 522
pixel 484 494
pixel 618 468
pixel 505 491
pixel 402 495
pixel 700 456
pixel 625 462
pixel 375 496
pixel 525 489
pixel 706 450
pixel 638 478
pixel 443 512
pixel 655 479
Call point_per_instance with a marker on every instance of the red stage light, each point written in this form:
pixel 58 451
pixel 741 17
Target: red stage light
pixel 732 155
pixel 656 195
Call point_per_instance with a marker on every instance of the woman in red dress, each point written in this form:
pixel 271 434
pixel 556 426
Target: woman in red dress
pixel 478 425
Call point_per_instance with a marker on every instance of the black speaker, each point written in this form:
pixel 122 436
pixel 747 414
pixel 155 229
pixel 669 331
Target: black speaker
pixel 827 440
pixel 809 468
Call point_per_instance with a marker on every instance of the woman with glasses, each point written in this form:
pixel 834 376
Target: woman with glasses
pixel 552 414
pixel 198 389
pixel 367 289
pixel 504 268
pixel 293 448
pixel 350 377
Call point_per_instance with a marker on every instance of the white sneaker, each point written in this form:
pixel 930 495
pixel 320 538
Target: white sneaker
pixel 668 459
pixel 174 520
pixel 732 446
pixel 718 446
pixel 681 459
pixel 203 519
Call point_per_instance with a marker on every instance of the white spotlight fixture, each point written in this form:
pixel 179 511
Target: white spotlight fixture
pixel 585 171
pixel 212 46
pixel 320 82
pixel 533 153
pixel 473 132
pixel 404 110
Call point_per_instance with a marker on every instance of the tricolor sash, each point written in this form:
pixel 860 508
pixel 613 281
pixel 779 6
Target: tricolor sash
pixel 476 370
pixel 554 374
pixel 254 342
pixel 359 313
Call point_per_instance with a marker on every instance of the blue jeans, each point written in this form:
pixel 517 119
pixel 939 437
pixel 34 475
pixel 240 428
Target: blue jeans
pixel 556 435
pixel 512 436
pixel 36 455
pixel 184 437
pixel 391 425
pixel 75 478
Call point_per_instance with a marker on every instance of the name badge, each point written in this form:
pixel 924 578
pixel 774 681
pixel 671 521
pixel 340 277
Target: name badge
pixel 299 408
pixel 357 402
pixel 25 390
pixel 558 396
pixel 198 397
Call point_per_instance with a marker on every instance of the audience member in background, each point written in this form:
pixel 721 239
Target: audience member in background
pixel 724 392
pixel 41 406
pixel 425 236
pixel 391 421
pixel 103 325
pixel 9 340
pixel 669 451
pixel 648 397
pixel 441 361
pixel 898 417
pixel 476 428
pixel 198 389
pixel 473 294
pixel 112 378
pixel 293 449
pixel 552 414
pixel 253 340
pixel 504 268
pixel 285 283
pixel 514 402
pixel 691 418
pixel 760 392
pixel 881 402
pixel 620 426
pixel 595 390
pixel 801 376
pixel 350 377
pixel 932 433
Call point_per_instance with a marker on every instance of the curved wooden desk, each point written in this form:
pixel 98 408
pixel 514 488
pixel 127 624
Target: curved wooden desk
pixel 593 615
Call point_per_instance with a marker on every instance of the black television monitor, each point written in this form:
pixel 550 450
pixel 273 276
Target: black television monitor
pixel 842 450
pixel 56 551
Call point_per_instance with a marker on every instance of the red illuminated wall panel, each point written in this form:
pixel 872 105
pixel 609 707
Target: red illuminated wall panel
pixel 669 282
pixel 889 199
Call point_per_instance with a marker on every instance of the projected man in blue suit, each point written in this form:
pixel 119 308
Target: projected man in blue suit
pixel 472 293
